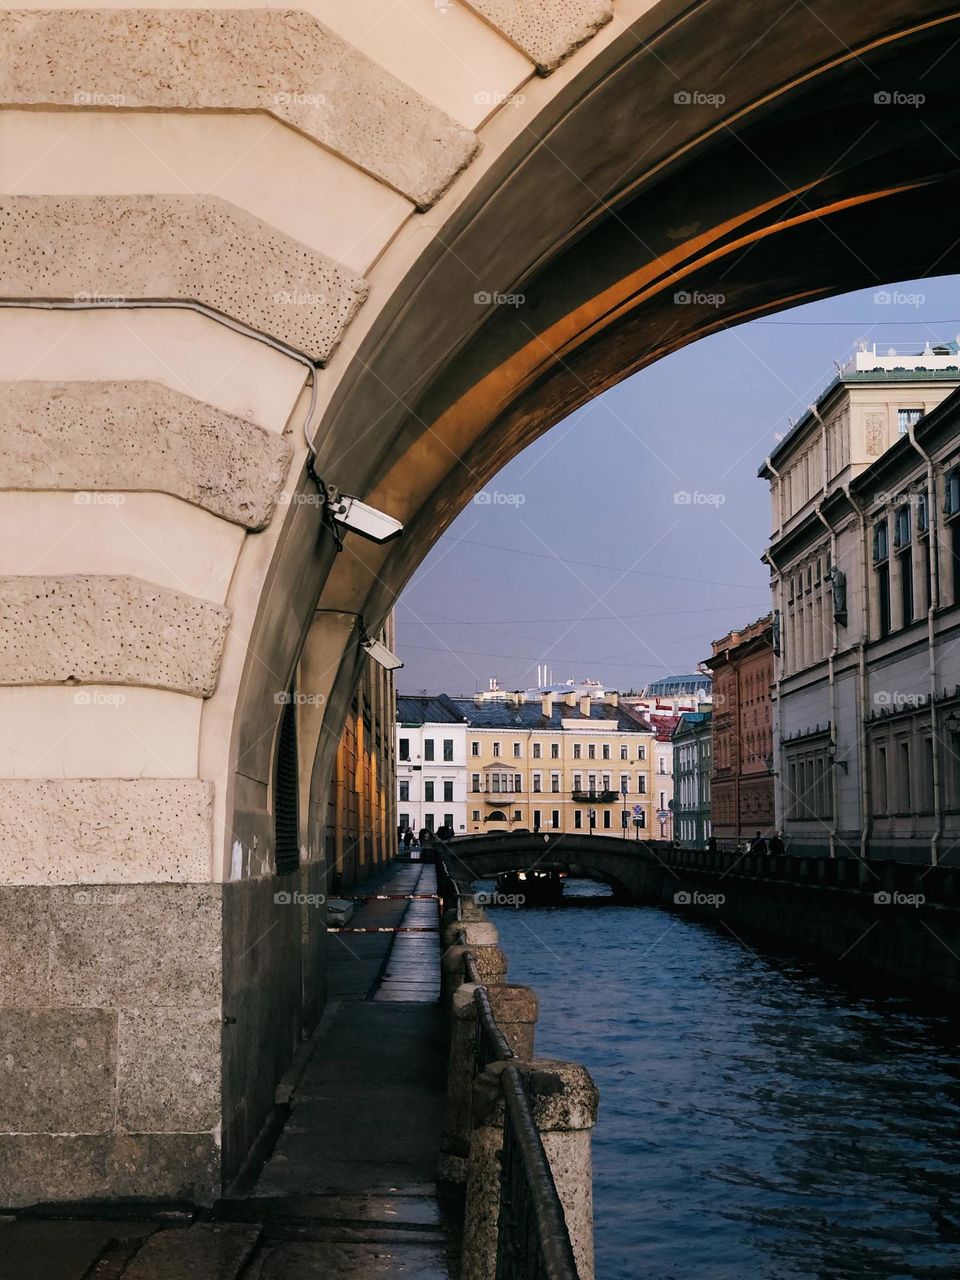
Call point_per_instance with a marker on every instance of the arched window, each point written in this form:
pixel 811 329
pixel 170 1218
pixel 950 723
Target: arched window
pixel 286 826
pixel 496 816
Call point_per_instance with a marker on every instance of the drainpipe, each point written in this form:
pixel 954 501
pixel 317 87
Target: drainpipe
pixel 834 784
pixel 778 659
pixel 865 779
pixel 933 595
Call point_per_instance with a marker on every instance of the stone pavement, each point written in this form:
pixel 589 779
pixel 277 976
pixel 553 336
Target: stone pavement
pixel 349 1190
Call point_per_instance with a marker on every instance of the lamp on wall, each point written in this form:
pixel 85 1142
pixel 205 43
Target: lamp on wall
pixel 953 723
pixel 832 753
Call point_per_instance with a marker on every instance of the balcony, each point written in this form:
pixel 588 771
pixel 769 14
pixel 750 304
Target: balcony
pixel 498 797
pixel 595 797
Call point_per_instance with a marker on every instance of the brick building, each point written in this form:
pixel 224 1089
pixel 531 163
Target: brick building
pixel 742 793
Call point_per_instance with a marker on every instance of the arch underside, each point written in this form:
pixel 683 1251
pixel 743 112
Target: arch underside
pixel 175 218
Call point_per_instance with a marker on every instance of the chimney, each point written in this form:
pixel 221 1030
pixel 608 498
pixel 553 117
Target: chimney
pixel 546 705
pixel 585 705
pixel 611 699
pixel 570 699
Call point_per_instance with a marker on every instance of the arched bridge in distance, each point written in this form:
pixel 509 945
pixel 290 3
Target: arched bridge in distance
pixel 632 868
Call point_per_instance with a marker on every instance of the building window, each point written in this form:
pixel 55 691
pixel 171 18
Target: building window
pixel 578 782
pixel 554 750
pixel 536 751
pixel 516 750
pixel 606 818
pixel 591 751
pixel 880 781
pixel 536 819
pixel 405 791
pixel 474 748
pixel 951 492
pixel 476 815
pixel 555 819
pixel 428 821
pixel 428 791
pixel 517 815
pixel 576 751
pixel 496 748
pixel 641 752
pixel 428 748
pixel 448 749
pixel 448 791
pixel 555 782
pixel 624 783
pixel 537 782
pixel 641 783
pixel 904 777
pixel 475 782
pixel 404 748
pixel 901 527
pixel 578 819
pixel 517 782
pixel 448 820
pixel 907 418
pixel 404 821
pixel 606 750
pixel 881 554
pixel 624 751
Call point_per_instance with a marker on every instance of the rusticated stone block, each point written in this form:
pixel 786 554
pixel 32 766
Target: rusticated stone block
pixel 176 247
pixel 135 945
pixel 169 1069
pixel 280 61
pixel 108 630
pixel 24 945
pixel 547 31
pixel 57 1070
pixel 114 830
pixel 139 436
pixel 174 1166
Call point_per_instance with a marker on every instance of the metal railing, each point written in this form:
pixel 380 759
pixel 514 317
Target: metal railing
pixel 533 1242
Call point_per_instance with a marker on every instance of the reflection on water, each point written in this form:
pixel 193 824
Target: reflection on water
pixel 756 1119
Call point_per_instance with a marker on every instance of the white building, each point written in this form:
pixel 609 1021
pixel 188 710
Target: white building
pixel 865 565
pixel 431 763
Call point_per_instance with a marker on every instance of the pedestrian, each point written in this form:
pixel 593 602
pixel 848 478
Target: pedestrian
pixel 712 845
pixel 407 840
pixel 758 844
pixel 777 846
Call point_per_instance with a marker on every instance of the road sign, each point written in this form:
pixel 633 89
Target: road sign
pixel 638 810
pixel 663 814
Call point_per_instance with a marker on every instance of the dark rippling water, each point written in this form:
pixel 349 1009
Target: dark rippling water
pixel 757 1120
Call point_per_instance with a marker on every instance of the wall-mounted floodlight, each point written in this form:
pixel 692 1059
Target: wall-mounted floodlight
pixel 364 519
pixel 379 652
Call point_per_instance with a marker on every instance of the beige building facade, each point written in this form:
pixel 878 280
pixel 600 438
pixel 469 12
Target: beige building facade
pixel 570 764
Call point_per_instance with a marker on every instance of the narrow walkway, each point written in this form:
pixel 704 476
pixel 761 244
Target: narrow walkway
pixel 349 1190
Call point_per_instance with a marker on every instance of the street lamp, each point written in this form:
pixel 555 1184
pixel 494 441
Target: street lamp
pixel 832 753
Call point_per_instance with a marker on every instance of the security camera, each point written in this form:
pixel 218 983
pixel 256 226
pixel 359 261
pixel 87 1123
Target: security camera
pixel 380 653
pixel 364 519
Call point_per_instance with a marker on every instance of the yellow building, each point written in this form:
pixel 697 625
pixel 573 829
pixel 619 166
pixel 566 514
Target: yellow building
pixel 559 764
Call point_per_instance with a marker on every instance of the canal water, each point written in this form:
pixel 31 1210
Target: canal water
pixel 758 1119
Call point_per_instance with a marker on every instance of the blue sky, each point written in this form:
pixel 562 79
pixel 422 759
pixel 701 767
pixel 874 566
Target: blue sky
pixel 598 495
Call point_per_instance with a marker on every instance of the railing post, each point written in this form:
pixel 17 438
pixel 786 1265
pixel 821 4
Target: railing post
pixel 564 1103
pixel 515 1009
pixel 455 1142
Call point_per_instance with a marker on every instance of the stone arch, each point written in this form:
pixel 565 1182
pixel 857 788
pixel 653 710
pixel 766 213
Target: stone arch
pixel 239 269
